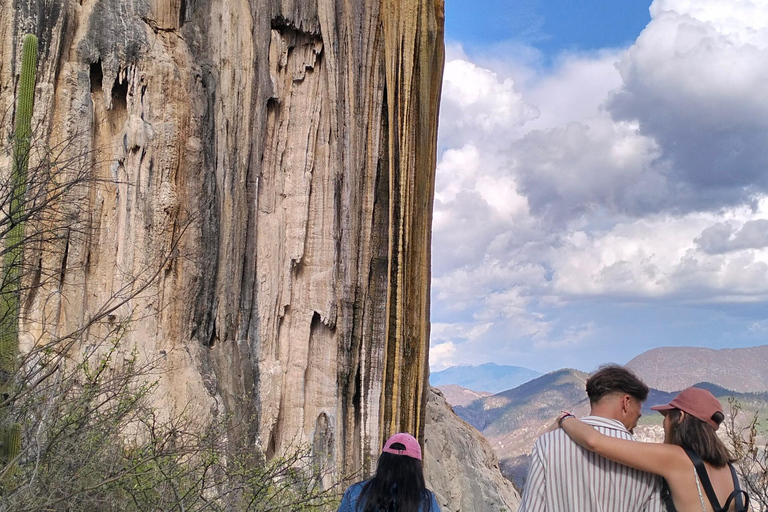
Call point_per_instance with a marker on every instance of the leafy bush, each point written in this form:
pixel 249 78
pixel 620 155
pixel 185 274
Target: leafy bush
pixel 79 426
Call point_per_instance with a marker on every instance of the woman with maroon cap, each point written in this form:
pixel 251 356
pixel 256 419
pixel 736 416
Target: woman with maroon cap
pixel 397 486
pixel 694 462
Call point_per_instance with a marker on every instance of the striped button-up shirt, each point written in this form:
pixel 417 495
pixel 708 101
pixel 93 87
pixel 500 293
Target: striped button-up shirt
pixel 564 477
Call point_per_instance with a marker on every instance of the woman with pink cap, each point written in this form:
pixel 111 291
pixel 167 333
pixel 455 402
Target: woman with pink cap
pixel 694 462
pixel 397 486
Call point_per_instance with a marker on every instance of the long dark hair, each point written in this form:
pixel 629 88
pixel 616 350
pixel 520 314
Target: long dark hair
pixel 700 437
pixel 398 485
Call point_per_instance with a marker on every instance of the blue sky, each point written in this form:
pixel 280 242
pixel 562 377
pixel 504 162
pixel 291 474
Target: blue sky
pixel 602 182
pixel 551 26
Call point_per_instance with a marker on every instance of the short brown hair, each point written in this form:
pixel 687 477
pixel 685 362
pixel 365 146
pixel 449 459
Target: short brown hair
pixel 613 378
pixel 700 437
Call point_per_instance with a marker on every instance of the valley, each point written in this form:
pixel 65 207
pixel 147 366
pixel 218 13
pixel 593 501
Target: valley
pixel 511 420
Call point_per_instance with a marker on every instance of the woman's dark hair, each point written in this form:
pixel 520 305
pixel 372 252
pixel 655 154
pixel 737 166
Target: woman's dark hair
pixel 700 437
pixel 398 485
pixel 612 378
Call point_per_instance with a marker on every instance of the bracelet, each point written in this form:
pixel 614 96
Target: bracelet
pixel 566 415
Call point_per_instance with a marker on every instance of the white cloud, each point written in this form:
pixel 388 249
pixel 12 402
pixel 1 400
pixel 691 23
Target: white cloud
pixel 442 356
pixel 632 176
pixel 445 340
pixel 695 82
pixel 659 257
pixel 576 89
pixel 729 17
pixel 477 104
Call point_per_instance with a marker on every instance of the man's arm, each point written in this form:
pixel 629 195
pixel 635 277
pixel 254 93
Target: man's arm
pixel 534 492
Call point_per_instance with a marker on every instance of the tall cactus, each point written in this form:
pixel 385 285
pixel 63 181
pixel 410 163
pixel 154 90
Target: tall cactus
pixel 10 432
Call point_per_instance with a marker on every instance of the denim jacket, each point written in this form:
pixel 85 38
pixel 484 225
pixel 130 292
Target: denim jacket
pixel 349 501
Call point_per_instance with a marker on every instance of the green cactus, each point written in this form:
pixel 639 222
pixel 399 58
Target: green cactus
pixel 10 433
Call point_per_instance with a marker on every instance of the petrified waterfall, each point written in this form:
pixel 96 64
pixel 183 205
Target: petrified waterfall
pixel 289 146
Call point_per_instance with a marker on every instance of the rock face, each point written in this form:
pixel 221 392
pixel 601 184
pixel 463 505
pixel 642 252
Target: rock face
pixel 460 465
pixel 514 419
pixel 268 172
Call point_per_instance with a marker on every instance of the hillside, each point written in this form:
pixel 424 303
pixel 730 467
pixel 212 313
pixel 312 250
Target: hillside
pixel 513 419
pixel 529 405
pixel 673 368
pixel 460 396
pixel 489 377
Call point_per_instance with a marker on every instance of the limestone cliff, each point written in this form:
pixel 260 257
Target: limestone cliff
pixel 460 465
pixel 293 143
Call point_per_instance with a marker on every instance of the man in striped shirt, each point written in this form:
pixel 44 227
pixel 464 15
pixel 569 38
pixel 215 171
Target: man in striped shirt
pixel 564 477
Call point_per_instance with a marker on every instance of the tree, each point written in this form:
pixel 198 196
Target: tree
pixel 748 439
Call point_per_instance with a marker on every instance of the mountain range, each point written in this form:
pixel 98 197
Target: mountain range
pixel 457 395
pixel 673 368
pixel 491 378
pixel 514 416
pixel 512 420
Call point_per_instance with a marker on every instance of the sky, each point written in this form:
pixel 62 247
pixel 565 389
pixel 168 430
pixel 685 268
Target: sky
pixel 602 181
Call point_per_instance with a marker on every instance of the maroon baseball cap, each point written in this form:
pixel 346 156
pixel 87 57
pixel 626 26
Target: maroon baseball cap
pixel 697 402
pixel 412 448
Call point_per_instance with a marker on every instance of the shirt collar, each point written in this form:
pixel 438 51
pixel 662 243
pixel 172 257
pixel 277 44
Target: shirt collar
pixel 598 421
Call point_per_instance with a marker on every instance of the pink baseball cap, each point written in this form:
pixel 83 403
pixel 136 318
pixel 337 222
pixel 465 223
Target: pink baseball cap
pixel 412 448
pixel 697 402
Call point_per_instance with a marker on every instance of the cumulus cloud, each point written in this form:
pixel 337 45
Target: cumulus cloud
pixel 661 257
pixel 627 176
pixel 576 88
pixel 442 356
pixel 695 82
pixel 597 163
pixel 476 104
pixel 723 237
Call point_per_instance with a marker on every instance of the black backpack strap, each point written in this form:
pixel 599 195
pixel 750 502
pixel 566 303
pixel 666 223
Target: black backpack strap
pixel 666 496
pixel 704 477
pixel 736 494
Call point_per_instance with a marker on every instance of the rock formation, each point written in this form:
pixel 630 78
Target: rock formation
pixel 460 465
pixel 268 173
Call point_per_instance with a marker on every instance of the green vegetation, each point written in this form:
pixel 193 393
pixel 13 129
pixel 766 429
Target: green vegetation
pixel 94 441
pixel 10 433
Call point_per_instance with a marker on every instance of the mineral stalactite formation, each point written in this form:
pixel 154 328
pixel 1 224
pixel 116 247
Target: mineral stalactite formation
pixel 293 143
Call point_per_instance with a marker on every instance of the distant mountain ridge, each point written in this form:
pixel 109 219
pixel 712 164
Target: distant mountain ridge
pixel 513 419
pixel 487 377
pixel 744 370
pixel 457 395
pixel 527 405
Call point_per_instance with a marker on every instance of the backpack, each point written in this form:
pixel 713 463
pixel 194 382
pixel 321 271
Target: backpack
pixel 742 505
